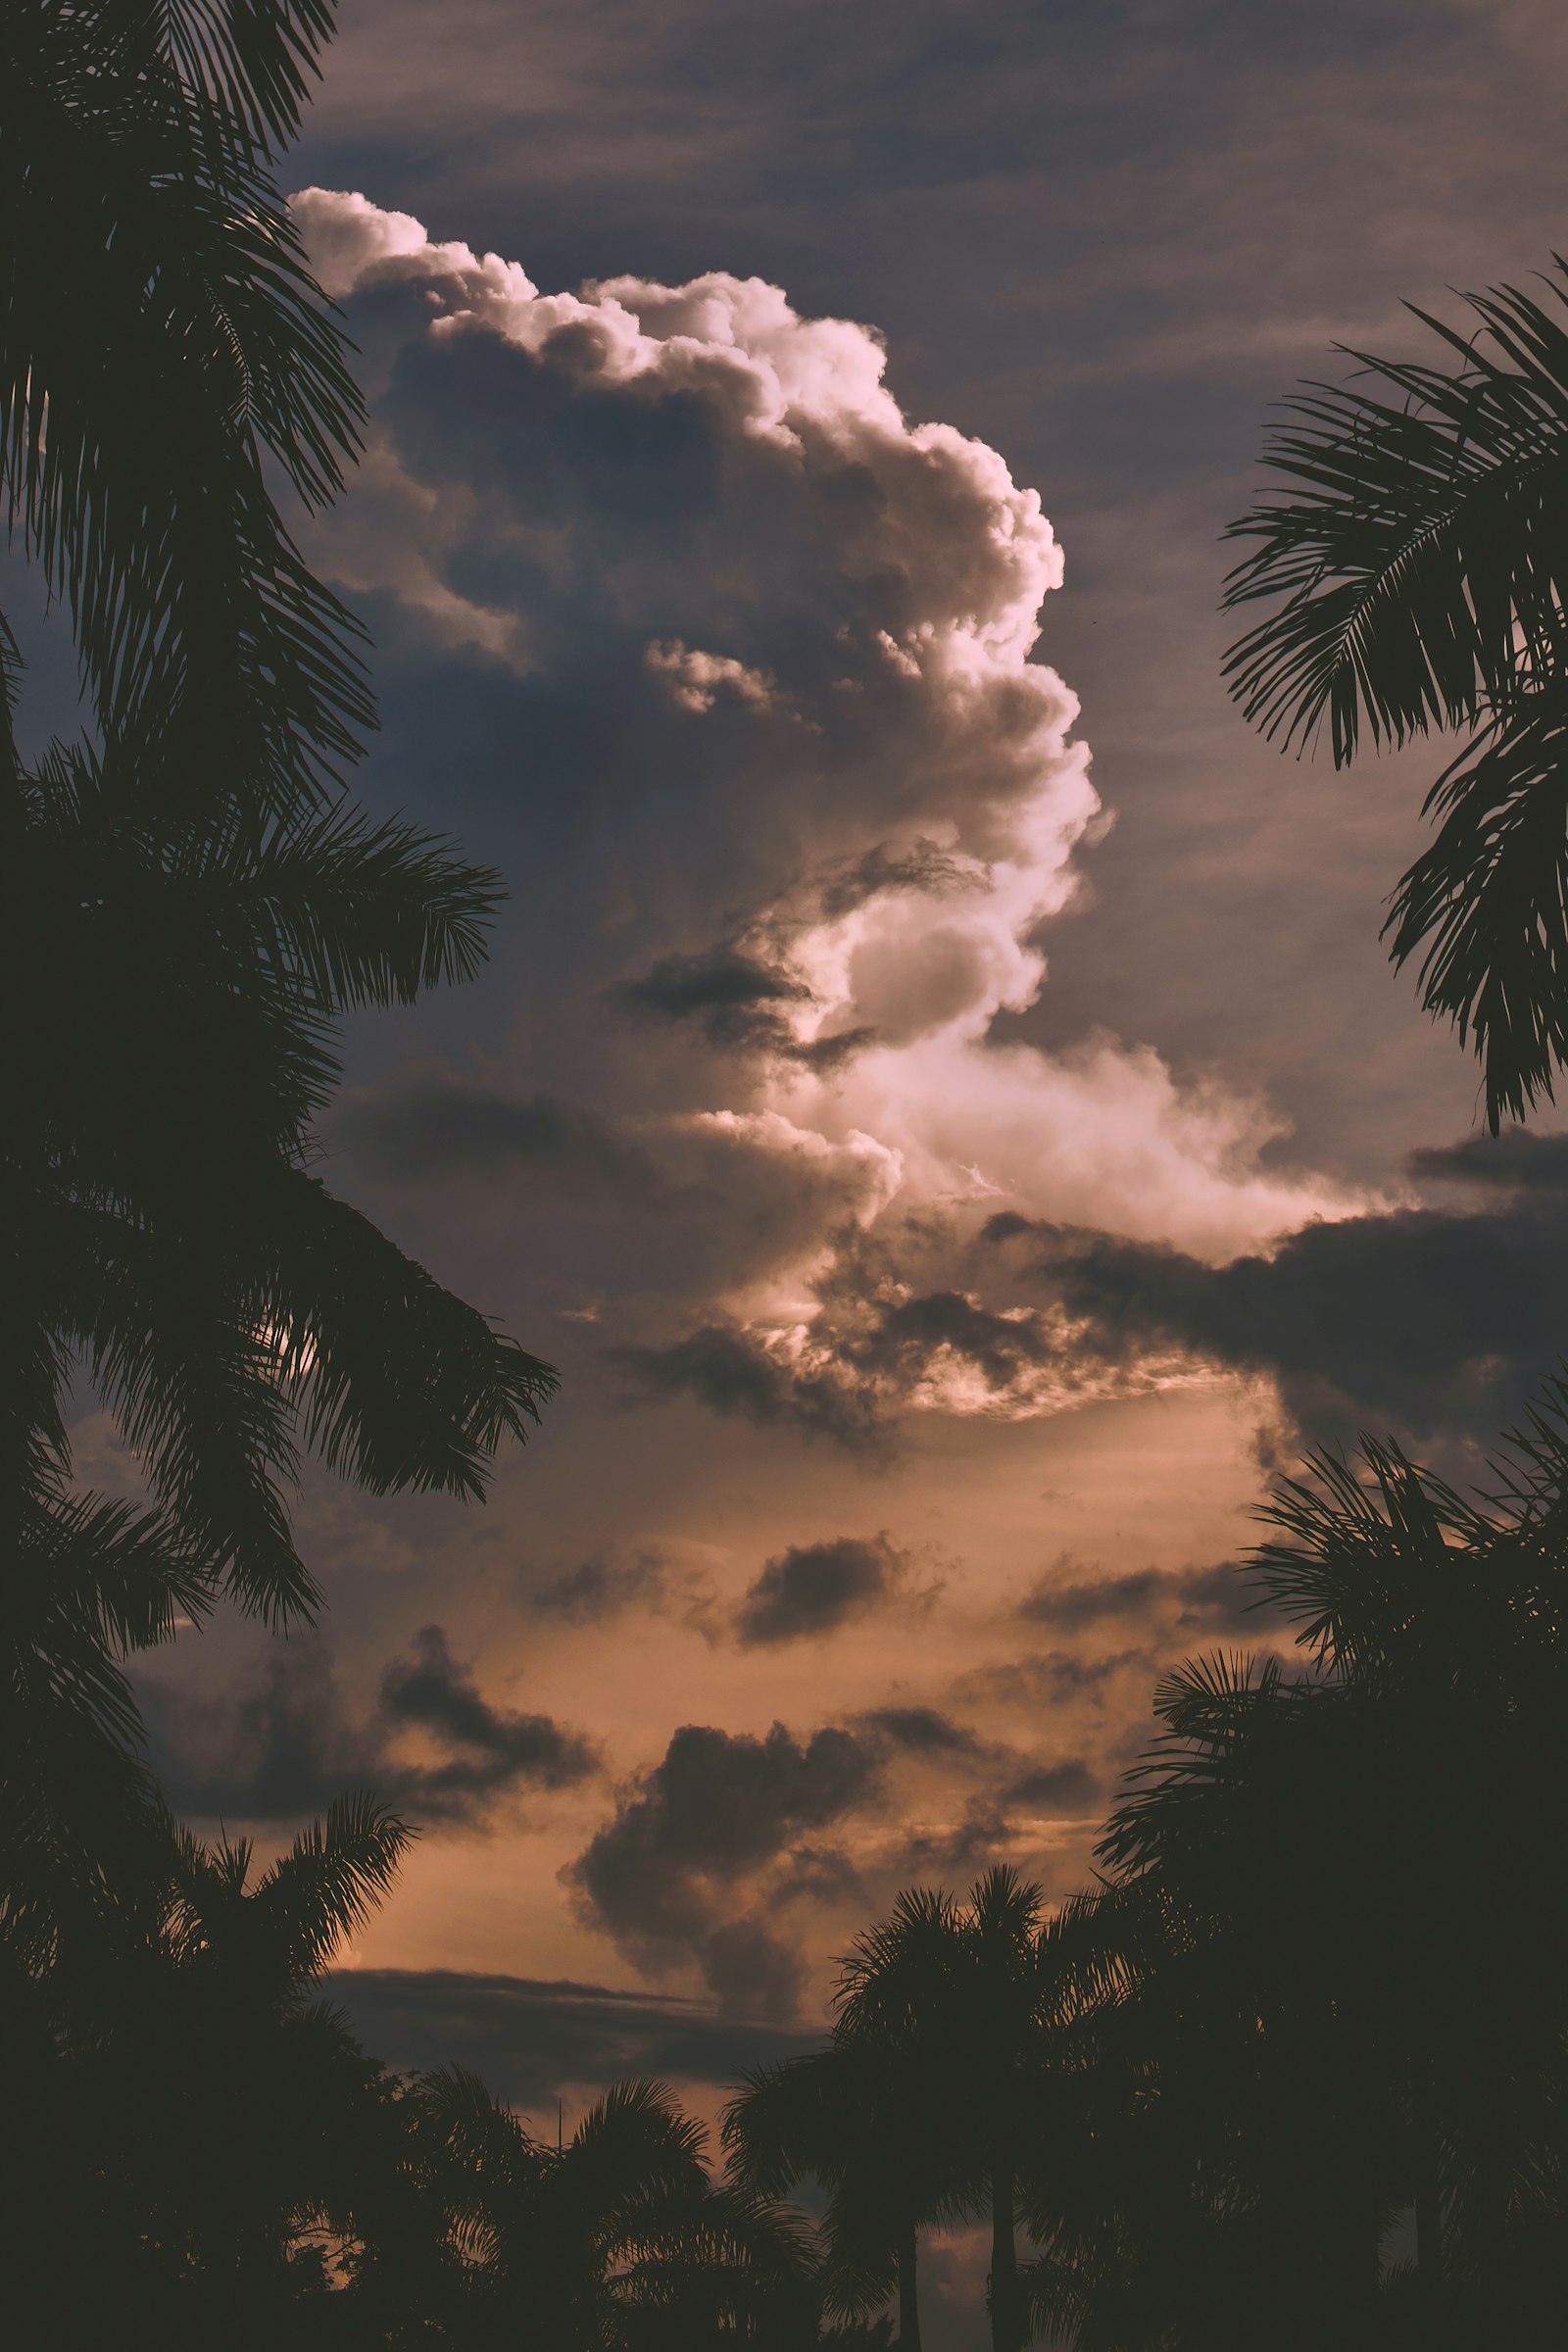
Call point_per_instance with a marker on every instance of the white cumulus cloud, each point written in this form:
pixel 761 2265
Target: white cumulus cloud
pixel 658 504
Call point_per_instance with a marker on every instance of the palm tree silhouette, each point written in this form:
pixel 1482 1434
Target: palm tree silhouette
pixel 1397 2046
pixel 1417 556
pixel 856 2118
pixel 194 903
pixel 955 1992
pixel 159 312
pixel 198 2110
pixel 622 2241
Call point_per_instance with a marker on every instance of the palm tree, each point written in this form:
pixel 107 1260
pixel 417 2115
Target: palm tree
pixel 171 1231
pixel 194 903
pixel 163 347
pixel 620 2242
pixel 170 1236
pixel 197 2111
pixel 1387 2040
pixel 956 1993
pixel 856 2118
pixel 1418 557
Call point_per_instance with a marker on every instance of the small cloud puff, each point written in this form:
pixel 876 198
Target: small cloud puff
pixel 813 1588
pixel 695 679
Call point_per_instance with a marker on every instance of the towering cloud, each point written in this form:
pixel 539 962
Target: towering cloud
pixel 749 659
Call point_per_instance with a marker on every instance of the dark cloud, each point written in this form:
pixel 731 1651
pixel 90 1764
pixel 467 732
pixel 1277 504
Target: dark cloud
pixel 530 2041
pixel 1431 1320
pixel 503 1750
pixel 1053 1678
pixel 282 1749
pixel 277 1750
pixel 721 987
pixel 735 1000
pixel 878 1343
pixel 924 1730
pixel 1190 1598
pixel 420 1129
pixel 921 865
pixel 595 1589
pixel 814 1587
pixel 667 1876
pixel 909 1334
pixel 1517 1161
pixel 1069 1788
pixel 728 1369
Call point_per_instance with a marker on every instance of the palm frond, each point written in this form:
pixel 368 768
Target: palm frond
pixel 1487 903
pixel 331 1881
pixel 148 248
pixel 402 1384
pixel 1422 561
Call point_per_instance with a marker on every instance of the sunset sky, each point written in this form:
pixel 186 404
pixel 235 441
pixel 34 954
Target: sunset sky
pixel 938 1093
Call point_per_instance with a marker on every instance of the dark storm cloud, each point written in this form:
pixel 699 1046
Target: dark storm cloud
pixel 905 1336
pixel 284 1747
pixel 426 1128
pixel 1069 1788
pixel 737 997
pixel 1516 1161
pixel 735 1000
pixel 729 1370
pixel 1191 1597
pixel 1432 1320
pixel 503 1750
pixel 530 2041
pixel 877 1343
pixel 1053 1678
pixel 597 1588
pixel 815 1588
pixel 724 989
pixel 671 1875
pixel 924 1732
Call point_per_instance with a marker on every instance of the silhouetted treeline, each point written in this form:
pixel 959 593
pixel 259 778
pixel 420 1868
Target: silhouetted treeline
pixel 1320 1989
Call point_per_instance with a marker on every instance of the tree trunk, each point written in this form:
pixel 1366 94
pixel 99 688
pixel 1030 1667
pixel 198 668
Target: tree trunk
pixel 1428 2200
pixel 1429 2230
pixel 909 2295
pixel 1006 2333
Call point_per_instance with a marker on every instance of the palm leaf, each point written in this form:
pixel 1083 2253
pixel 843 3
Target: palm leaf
pixel 147 248
pixel 1488 901
pixel 331 1881
pixel 1420 561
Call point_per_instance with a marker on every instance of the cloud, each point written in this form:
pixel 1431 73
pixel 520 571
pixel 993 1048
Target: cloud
pixel 498 1749
pixel 284 1747
pixel 813 1588
pixel 418 1129
pixel 696 679
pixel 771 726
pixel 673 1876
pixel 709 1847
pixel 1435 1321
pixel 595 1589
pixel 924 1732
pixel 1519 1160
pixel 729 1369
pixel 1188 1598
pixel 532 2041
pixel 867 1342
pixel 1067 1788
pixel 734 998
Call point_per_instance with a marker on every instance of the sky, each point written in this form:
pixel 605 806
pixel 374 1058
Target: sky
pixel 938 1092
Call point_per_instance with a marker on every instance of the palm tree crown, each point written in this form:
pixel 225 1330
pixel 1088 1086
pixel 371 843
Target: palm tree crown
pixel 1417 560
